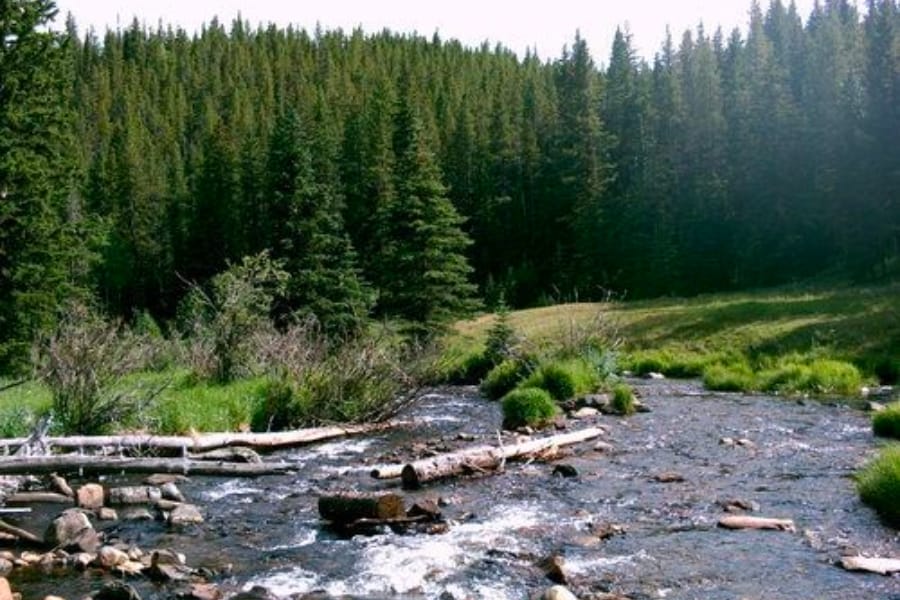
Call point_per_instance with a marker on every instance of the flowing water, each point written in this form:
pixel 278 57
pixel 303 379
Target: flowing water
pixel 797 465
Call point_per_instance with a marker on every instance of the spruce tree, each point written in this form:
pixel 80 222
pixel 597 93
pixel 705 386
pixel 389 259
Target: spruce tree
pixel 310 238
pixel 422 267
pixel 42 226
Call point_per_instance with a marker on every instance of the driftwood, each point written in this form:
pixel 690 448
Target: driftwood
pixel 136 494
pixel 233 454
pixel 111 464
pixel 21 534
pixel 204 442
pixel 478 459
pixel 353 507
pixel 744 522
pixel 38 498
pixel 882 566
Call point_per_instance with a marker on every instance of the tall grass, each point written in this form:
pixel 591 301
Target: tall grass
pixel 879 484
pixel 887 423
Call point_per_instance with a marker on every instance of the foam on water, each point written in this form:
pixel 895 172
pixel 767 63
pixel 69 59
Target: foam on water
pixel 397 564
pixel 231 487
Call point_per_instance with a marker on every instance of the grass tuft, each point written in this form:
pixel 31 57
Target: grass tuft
pixel 878 485
pixel 529 406
pixel 564 379
pixel 623 402
pixel 887 422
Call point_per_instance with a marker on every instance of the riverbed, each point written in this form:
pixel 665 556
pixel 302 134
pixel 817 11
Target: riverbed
pixel 619 528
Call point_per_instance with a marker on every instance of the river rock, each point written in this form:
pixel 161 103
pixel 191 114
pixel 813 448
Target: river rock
pixel 744 522
pixel 58 484
pixel 185 514
pixel 558 592
pixel 587 412
pixel 90 496
pixel 881 566
pixel 5 592
pixel 109 557
pixel 5 567
pixel 255 593
pixel 53 598
pixel 427 508
pixel 161 479
pixel 655 376
pixel 170 491
pixel 117 590
pixel 567 471
pixel 168 566
pixel 669 477
pixel 82 560
pixel 201 591
pixel 603 447
pixel 107 514
pixel 72 530
pixel 554 568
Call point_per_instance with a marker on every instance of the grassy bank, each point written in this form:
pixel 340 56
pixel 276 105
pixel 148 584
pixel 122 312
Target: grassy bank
pixel 783 340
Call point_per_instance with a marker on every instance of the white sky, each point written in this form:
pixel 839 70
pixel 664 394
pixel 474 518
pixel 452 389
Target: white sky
pixel 546 25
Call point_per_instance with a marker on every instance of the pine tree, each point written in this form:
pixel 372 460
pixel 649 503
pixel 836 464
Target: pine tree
pixel 43 254
pixel 324 280
pixel 422 269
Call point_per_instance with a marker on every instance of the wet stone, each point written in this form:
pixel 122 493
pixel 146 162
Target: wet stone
pixel 566 471
pixel 558 592
pixel 5 566
pixel 90 496
pixel 554 568
pixel 117 590
pixel 669 477
pixel 5 592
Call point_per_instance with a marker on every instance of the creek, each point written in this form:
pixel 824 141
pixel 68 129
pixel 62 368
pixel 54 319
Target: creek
pixel 797 464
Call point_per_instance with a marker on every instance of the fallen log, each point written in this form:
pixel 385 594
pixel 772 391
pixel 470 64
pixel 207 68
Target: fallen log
pixel 480 458
pixel 21 534
pixel 882 566
pixel 744 522
pixel 111 464
pixel 205 441
pixel 135 494
pixel 352 507
pixel 38 498
pixel 232 454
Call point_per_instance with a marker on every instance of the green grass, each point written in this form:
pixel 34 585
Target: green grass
pixel 190 405
pixel 887 422
pixel 791 339
pixel 878 485
pixel 564 379
pixel 503 378
pixel 529 406
pixel 21 406
pixel 623 402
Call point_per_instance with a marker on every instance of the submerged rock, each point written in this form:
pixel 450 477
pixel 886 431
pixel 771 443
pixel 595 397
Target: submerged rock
pixel 116 590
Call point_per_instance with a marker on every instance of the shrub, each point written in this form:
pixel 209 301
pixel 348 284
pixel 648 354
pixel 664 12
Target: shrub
pixel 81 362
pixel 223 320
pixel 878 485
pixel 623 399
pixel 503 378
pixel 564 379
pixel 834 377
pixel 887 422
pixel 737 377
pixel 530 406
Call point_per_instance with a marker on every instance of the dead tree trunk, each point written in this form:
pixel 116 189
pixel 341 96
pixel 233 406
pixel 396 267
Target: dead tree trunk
pixel 352 507
pixel 204 442
pixel 110 464
pixel 38 498
pixel 481 458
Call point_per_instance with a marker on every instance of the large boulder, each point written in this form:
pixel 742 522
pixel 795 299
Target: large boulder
pixel 185 514
pixel 72 530
pixel 5 592
pixel 90 496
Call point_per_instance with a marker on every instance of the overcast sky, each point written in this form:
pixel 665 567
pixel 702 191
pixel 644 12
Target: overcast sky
pixel 546 25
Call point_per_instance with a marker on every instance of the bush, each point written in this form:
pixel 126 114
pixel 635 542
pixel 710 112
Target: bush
pixel 82 362
pixel 503 378
pixel 737 377
pixel 531 406
pixel 834 377
pixel 623 399
pixel 887 422
pixel 564 379
pixel 878 485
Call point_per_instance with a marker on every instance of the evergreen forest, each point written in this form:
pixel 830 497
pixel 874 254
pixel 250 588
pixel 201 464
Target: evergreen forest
pixel 404 177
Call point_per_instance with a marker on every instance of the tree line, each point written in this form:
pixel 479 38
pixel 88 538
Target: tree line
pixel 408 177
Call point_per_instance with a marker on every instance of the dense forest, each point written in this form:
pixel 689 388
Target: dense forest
pixel 406 177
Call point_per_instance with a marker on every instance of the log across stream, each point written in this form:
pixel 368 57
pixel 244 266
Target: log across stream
pixel 625 523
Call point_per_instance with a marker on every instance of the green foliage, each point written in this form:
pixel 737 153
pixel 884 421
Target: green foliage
pixel 564 379
pixel 622 400
pixel 501 338
pixel 682 365
pixel 223 321
pixel 191 405
pixel 503 378
pixel 878 484
pixel 21 406
pixel 733 377
pixel 528 406
pixel 886 423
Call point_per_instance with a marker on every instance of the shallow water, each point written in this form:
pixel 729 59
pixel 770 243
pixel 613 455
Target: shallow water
pixel 798 467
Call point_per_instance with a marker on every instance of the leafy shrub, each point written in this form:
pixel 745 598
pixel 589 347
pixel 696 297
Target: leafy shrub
pixel 564 379
pixel 878 485
pixel 223 320
pixel 503 378
pixel 736 377
pixel 623 399
pixel 887 422
pixel 530 406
